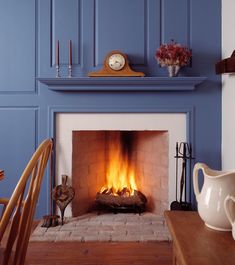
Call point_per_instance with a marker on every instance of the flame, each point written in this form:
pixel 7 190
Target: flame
pixel 120 171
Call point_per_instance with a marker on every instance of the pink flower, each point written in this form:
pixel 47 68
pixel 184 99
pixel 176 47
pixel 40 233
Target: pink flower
pixel 173 54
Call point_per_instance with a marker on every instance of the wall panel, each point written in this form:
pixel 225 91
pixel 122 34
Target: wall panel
pixel 18 139
pixel 65 26
pixel 176 21
pixel 115 30
pixel 17 46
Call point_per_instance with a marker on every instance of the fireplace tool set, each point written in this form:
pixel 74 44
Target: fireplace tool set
pixel 62 195
pixel 183 154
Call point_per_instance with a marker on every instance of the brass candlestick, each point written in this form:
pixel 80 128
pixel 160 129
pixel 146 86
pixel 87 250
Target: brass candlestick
pixel 70 71
pixel 57 71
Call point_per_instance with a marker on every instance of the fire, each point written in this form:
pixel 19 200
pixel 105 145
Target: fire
pixel 120 173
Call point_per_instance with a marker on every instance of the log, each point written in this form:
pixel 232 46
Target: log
pixel 138 199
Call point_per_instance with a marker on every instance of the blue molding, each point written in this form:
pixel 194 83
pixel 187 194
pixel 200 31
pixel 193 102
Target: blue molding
pixel 189 111
pixel 122 83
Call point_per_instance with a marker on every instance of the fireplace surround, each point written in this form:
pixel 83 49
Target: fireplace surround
pixel 171 124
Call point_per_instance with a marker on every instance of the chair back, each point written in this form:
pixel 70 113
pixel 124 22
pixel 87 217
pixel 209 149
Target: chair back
pixel 20 209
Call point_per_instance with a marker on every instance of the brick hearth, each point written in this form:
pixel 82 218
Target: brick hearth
pixel 106 227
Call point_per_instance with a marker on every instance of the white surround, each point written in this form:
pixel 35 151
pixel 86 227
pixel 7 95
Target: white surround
pixel 174 123
pixel 228 87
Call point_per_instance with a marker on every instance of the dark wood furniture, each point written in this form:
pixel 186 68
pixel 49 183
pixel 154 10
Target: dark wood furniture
pixel 1 174
pixel 195 244
pixel 226 65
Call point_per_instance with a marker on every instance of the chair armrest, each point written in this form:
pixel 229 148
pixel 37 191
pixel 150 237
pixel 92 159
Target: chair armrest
pixel 4 201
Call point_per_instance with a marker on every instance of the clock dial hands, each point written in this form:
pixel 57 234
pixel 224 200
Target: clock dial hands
pixel 116 62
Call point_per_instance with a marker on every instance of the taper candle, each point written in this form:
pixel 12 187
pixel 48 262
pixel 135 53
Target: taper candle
pixel 57 53
pixel 70 53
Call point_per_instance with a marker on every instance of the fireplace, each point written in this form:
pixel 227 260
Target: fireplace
pixel 154 137
pixel 154 134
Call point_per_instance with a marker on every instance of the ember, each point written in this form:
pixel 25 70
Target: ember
pixel 120 192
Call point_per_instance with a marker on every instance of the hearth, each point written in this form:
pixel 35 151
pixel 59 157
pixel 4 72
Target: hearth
pixel 106 227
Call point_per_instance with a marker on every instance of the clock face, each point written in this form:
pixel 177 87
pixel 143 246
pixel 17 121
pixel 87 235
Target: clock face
pixel 116 61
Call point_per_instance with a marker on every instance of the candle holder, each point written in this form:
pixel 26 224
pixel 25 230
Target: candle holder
pixel 57 71
pixel 70 71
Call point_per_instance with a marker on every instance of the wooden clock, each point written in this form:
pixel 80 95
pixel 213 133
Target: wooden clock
pixel 116 64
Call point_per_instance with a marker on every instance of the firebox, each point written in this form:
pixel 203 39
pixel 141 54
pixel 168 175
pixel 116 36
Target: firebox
pixel 120 171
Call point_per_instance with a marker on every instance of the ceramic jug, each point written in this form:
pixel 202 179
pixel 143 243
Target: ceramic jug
pixel 229 207
pixel 217 185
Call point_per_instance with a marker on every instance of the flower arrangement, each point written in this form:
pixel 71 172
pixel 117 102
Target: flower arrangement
pixel 173 54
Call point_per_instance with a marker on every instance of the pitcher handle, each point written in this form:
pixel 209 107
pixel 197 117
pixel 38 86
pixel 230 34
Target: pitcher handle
pixel 226 200
pixel 196 168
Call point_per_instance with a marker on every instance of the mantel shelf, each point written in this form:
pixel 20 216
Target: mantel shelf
pixel 122 83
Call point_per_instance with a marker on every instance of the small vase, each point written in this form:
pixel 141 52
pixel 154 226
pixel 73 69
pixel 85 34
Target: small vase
pixel 173 70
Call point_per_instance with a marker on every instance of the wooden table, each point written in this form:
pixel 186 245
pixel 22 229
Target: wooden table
pixel 1 174
pixel 195 244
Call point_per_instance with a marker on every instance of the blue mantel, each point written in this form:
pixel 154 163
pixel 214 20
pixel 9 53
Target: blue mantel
pixel 122 83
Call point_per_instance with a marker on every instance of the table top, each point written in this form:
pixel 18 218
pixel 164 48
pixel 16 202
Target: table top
pixel 197 244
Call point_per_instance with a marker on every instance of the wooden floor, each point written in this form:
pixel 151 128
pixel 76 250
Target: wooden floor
pixel 98 253
pixel 95 253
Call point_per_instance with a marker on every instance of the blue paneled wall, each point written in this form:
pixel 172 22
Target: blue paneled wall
pixel 29 30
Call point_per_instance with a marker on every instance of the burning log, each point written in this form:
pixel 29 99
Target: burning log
pixel 125 192
pixel 122 202
pixel 120 192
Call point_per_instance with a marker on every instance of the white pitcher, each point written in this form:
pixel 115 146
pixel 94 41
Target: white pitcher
pixel 217 185
pixel 229 207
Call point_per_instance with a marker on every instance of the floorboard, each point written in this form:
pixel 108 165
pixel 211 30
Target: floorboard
pixel 99 253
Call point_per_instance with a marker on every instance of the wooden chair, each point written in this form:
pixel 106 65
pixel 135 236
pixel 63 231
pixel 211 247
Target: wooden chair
pixel 20 208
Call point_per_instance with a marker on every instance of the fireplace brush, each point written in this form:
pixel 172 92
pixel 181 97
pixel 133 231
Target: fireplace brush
pixel 184 153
